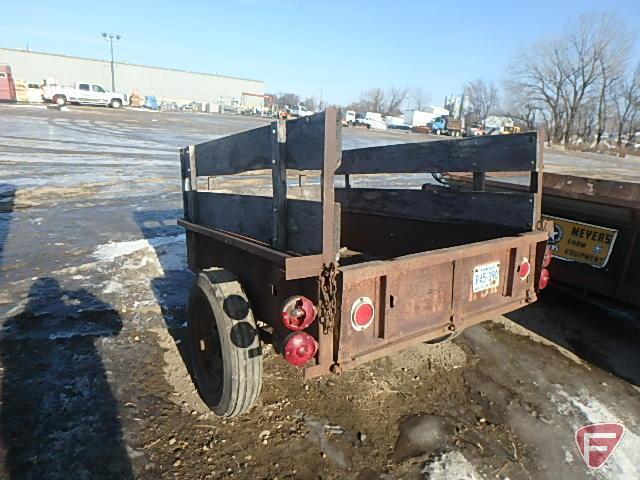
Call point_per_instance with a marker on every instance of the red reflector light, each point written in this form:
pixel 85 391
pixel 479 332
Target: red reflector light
pixel 547 258
pixel 299 348
pixel 544 279
pixel 298 313
pixel 524 269
pixel 362 313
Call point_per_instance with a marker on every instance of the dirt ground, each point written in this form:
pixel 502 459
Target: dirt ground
pixel 94 366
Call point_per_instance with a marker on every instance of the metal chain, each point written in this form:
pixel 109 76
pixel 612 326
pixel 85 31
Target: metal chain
pixel 328 297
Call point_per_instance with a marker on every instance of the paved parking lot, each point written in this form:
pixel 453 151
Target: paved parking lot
pixel 93 283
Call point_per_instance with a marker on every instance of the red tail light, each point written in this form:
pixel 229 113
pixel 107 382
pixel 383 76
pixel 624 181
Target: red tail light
pixel 362 313
pixel 524 269
pixel 544 279
pixel 298 313
pixel 547 258
pixel 299 348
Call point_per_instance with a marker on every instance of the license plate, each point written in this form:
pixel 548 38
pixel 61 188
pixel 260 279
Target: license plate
pixel 486 276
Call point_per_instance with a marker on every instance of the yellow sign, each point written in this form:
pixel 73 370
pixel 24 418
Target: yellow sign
pixel 581 242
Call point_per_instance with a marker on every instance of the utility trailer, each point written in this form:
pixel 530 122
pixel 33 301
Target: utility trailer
pixel 337 276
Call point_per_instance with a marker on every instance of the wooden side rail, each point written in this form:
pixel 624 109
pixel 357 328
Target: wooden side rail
pixel 514 210
pixel 492 153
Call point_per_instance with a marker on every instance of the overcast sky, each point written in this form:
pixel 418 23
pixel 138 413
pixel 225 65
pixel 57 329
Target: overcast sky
pixel 339 47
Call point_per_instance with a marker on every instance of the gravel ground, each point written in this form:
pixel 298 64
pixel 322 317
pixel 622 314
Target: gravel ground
pixel 93 282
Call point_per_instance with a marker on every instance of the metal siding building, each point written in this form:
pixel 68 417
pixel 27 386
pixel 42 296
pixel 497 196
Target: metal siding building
pixel 165 83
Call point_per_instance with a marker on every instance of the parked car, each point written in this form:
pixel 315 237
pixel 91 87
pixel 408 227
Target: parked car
pixel 299 111
pixel 475 130
pixel 371 120
pixel 83 93
pixel 348 118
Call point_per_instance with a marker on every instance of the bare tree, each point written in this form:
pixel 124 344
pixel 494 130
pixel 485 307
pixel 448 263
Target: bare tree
pixel 311 103
pixel 627 106
pixel 522 109
pixel 419 98
pixel 588 42
pixel 612 63
pixel 566 73
pixel 538 74
pixel 288 99
pixel 396 97
pixel 483 99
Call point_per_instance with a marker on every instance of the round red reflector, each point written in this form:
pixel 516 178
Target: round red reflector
pixel 525 269
pixel 299 348
pixel 298 313
pixel 544 279
pixel 362 313
pixel 547 258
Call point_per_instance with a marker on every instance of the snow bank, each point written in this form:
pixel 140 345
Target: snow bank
pixel 450 466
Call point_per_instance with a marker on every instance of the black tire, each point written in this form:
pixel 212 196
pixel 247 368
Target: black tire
pixel 115 103
pixel 60 100
pixel 225 345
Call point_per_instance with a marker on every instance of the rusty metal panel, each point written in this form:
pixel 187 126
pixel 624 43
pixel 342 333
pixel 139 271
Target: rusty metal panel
pixel 421 300
pixel 405 302
pixel 510 285
pixel 432 292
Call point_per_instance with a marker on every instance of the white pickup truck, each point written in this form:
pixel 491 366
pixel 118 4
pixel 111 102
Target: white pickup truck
pixel 83 93
pixel 370 120
pixel 299 111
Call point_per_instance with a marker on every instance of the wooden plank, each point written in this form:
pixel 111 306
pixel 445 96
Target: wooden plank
pixel 250 216
pixel 536 183
pixel 330 162
pixel 303 267
pixel 193 186
pixel 242 152
pixel 305 142
pixel 255 248
pixel 491 153
pixel 304 226
pixel 279 180
pixel 506 209
pixel 251 150
pixel 185 177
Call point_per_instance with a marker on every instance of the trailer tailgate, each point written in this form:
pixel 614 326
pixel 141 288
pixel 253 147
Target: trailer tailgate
pixel 429 294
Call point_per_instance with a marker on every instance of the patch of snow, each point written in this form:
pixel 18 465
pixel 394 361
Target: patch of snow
pixel 450 466
pixel 585 409
pixel 108 252
pixel 568 457
pixel 113 287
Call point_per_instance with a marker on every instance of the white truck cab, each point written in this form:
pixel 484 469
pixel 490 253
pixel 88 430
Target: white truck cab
pixel 83 93
pixel 299 111
pixel 371 120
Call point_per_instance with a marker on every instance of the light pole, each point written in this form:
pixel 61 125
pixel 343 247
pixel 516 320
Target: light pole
pixel 111 37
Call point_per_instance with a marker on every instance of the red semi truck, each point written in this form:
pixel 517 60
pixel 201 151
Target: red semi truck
pixel 7 85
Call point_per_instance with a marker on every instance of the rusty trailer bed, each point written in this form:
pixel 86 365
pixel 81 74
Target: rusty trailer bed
pixel 411 252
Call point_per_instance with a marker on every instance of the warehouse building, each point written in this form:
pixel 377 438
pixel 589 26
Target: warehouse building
pixel 165 83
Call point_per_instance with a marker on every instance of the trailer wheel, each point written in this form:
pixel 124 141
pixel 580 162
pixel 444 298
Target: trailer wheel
pixel 60 100
pixel 226 353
